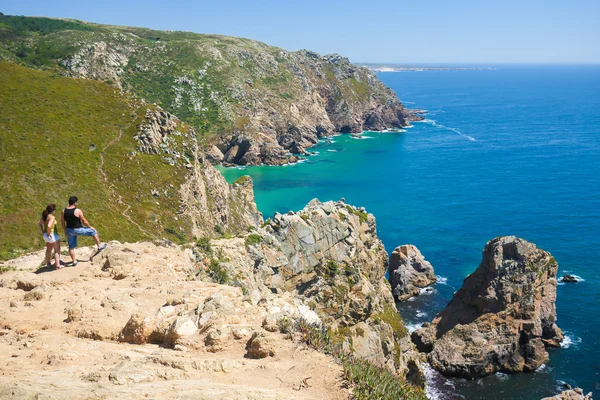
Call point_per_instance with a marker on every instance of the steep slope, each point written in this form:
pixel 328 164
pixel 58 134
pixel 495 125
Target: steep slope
pixel 256 103
pixel 132 166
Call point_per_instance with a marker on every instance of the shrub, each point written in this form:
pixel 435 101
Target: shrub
pixel 177 233
pixel 219 230
pixel 217 273
pixel 203 245
pixel 253 239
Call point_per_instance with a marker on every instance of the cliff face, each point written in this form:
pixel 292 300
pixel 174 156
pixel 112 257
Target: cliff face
pixel 501 319
pixel 135 166
pixel 250 103
pixel 328 258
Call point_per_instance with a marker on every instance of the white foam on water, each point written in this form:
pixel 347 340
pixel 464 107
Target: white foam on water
pixel 240 168
pixel 441 280
pixel 436 385
pixel 421 314
pixel 570 340
pixel 541 368
pixel 332 151
pixel 455 130
pixel 501 376
pixel 580 279
pixel 426 290
pixel 413 327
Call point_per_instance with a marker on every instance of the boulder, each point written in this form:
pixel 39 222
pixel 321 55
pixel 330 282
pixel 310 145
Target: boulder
pixel 409 272
pixel 574 394
pixel 501 319
pixel 259 346
pixel 569 279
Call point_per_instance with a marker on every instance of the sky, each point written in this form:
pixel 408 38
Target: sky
pixel 377 31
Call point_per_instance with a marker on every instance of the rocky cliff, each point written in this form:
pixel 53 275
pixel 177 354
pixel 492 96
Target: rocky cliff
pixel 328 257
pixel 250 103
pixel 136 167
pixel 501 319
pixel 409 272
pixel 215 317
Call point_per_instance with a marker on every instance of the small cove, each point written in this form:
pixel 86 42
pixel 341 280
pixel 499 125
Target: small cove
pixel 514 150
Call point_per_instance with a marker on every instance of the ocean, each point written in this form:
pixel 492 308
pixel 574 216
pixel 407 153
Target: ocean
pixel 513 150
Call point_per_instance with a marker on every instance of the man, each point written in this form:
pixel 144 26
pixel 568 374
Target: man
pixel 75 224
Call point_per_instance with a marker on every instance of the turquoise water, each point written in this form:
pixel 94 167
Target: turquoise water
pixel 515 150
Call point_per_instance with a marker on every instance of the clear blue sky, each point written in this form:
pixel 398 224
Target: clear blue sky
pixel 426 31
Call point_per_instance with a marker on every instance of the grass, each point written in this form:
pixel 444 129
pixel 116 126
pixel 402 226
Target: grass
pixel 200 78
pixel 390 316
pixel 47 126
pixel 253 239
pixel 367 380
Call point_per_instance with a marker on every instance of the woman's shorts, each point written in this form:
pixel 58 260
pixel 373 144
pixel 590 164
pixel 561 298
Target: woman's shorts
pixel 51 239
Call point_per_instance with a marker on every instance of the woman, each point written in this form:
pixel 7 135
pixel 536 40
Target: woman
pixel 48 226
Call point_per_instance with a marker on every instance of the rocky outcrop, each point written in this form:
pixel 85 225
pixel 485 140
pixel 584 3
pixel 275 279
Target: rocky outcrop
pixel 257 104
pixel 329 264
pixel 209 203
pixel 572 394
pixel 157 333
pixel 409 272
pixel 501 319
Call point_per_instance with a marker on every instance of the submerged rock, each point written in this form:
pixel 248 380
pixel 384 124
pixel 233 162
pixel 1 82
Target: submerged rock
pixel 501 319
pixel 409 272
pixel 569 279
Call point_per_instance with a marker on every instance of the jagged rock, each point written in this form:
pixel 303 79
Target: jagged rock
pixel 327 266
pixel 569 279
pixel 259 346
pixel 409 272
pixel 573 394
pixel 182 327
pixel 501 319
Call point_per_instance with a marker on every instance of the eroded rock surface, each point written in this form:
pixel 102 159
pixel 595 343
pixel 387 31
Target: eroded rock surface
pixel 572 394
pixel 328 261
pixel 501 319
pixel 155 333
pixel 409 272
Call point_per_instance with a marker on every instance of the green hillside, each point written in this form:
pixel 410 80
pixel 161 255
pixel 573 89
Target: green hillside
pixel 259 103
pixel 61 137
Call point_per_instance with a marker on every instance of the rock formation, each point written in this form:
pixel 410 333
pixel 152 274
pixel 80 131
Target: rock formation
pixel 329 258
pixel 501 319
pixel 571 394
pixel 207 201
pixel 409 272
pixel 135 324
pixel 252 103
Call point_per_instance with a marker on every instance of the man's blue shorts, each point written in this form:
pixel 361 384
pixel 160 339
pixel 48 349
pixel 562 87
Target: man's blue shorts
pixel 73 233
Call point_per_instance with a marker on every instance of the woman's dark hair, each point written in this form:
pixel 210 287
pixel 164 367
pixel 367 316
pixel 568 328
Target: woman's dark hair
pixel 49 210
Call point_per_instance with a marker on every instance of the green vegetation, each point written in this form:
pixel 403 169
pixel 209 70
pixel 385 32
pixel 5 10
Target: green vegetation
pixel 367 380
pixel 47 126
pixel 203 245
pixel 253 239
pixel 217 273
pixel 390 316
pixel 332 268
pixel 6 268
pixel 211 82
pixel 362 216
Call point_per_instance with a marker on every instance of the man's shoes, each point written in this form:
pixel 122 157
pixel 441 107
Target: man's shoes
pixel 102 247
pixel 74 264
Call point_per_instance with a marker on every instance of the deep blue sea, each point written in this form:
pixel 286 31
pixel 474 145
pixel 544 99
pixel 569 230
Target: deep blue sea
pixel 514 150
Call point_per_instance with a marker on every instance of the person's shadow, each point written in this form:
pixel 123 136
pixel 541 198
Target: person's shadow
pixel 45 269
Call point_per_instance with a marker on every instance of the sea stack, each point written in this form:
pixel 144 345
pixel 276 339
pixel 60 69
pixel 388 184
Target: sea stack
pixel 501 319
pixel 409 272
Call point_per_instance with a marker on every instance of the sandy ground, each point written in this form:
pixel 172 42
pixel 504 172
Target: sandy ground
pixel 60 329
